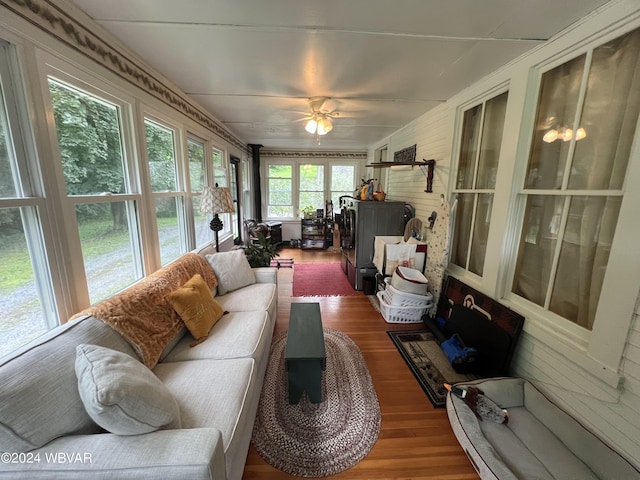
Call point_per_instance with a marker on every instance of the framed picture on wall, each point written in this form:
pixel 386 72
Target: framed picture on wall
pixel 406 155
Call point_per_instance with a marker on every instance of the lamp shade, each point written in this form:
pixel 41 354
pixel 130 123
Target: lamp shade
pixel 216 200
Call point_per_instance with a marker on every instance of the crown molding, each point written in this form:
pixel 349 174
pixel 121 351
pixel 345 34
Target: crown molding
pixel 313 154
pixel 71 30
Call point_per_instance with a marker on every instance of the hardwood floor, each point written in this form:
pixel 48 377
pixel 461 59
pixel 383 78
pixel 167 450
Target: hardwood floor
pixel 416 440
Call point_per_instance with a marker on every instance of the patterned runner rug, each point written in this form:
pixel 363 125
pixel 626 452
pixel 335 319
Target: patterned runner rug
pixel 428 363
pixel 318 440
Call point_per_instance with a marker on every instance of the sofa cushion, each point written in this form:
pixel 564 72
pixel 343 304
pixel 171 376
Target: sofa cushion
pixel 39 398
pixel 259 296
pixel 232 270
pixel 236 335
pixel 122 395
pixel 217 393
pixel 196 306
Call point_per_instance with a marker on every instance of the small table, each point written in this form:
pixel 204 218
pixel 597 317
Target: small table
pixel 305 355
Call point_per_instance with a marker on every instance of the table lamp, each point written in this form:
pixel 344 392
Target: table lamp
pixel 216 200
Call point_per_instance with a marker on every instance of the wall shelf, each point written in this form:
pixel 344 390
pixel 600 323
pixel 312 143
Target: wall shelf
pixel 426 166
pixel 399 164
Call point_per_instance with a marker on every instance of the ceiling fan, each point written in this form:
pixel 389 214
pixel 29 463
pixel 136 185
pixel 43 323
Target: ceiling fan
pixel 319 121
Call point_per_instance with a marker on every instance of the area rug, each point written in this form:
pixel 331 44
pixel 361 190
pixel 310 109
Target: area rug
pixel 320 280
pixel 282 263
pixel 428 363
pixel 318 440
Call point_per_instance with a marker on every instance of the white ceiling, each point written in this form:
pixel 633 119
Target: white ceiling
pixel 254 63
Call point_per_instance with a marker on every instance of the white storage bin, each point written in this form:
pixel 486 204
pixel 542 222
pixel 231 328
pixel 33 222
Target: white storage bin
pixel 394 314
pixel 409 280
pixel 398 298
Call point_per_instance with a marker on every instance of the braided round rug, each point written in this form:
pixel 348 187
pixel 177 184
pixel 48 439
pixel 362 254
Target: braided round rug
pixel 318 440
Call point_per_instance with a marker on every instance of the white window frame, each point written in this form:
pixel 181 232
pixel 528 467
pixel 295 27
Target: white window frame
pixel 482 100
pixel 295 164
pixel 180 194
pixel 227 222
pixel 294 188
pixel 29 197
pixel 89 84
pixel 326 184
pixel 329 176
pixel 598 352
pixel 192 194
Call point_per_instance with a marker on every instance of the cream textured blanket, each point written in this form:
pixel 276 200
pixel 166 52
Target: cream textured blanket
pixel 141 313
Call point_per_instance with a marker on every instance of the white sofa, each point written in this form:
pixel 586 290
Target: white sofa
pixel 540 442
pixel 45 427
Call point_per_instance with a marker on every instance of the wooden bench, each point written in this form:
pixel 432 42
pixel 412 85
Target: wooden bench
pixel 305 354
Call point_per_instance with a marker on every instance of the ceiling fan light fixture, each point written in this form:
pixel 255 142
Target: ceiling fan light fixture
pixel 324 125
pixel 311 126
pixel 320 121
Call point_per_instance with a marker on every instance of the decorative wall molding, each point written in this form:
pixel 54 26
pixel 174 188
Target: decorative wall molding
pixel 60 24
pixel 314 154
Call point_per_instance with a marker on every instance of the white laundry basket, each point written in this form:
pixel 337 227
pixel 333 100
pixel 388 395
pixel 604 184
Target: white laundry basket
pixel 397 314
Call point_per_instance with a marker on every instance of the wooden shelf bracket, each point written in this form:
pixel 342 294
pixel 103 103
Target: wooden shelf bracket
pixel 427 169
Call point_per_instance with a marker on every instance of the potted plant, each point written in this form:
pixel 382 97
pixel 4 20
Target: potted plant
pixel 308 211
pixel 260 254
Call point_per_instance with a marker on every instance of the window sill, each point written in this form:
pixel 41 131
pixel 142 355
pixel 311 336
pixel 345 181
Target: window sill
pixel 567 343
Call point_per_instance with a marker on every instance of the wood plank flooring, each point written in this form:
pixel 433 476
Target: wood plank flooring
pixel 416 440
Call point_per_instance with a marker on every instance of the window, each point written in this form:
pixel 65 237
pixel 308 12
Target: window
pixel 573 189
pixel 89 132
pixel 163 171
pixel 476 180
pixel 221 179
pixel 342 181
pixel 311 191
pixel 234 168
pixel 295 184
pixel 280 185
pixel 219 170
pixel 26 293
pixel 196 152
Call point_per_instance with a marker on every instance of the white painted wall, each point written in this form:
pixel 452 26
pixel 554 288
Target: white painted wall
pixel 613 413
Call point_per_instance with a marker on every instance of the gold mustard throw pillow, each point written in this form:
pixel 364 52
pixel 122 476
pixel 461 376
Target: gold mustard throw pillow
pixel 197 307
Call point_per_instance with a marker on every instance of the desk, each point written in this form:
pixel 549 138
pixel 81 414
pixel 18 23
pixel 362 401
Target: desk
pixel 305 354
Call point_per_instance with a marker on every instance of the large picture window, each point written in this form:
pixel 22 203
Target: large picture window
pixel 280 186
pixel 311 191
pixel 574 183
pixel 90 142
pixel 197 177
pixel 295 185
pixel 342 181
pixel 168 198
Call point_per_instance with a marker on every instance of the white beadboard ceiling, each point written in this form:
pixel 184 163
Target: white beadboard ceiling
pixel 254 63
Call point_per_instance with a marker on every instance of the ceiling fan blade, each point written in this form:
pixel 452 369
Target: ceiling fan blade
pixel 316 103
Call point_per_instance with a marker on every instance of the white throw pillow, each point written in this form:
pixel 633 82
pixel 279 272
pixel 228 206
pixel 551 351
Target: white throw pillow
pixel 121 394
pixel 232 270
